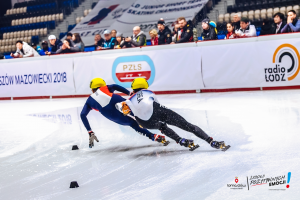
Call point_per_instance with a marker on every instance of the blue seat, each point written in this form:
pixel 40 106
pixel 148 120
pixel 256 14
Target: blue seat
pixel 30 26
pixel 76 3
pixel 52 24
pixel 221 37
pixel 86 49
pixel 43 24
pixel 7 56
pixel 35 39
pixel 70 28
pixel 61 35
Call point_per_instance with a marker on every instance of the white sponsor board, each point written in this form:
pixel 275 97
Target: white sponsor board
pixel 251 64
pixel 165 70
pixel 105 13
pixel 145 14
pixel 42 77
pixel 242 63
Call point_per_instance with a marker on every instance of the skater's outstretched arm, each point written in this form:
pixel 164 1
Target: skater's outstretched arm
pixel 141 131
pixel 119 88
pixel 85 111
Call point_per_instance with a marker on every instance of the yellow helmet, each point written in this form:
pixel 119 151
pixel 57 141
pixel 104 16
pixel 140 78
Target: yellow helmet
pixel 97 82
pixel 139 83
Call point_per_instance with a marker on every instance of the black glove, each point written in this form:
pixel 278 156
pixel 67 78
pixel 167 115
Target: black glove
pixel 92 138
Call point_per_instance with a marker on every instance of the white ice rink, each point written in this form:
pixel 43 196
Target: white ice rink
pixel 263 129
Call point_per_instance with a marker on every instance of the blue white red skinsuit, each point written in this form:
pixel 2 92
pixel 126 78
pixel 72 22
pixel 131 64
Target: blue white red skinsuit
pixel 104 101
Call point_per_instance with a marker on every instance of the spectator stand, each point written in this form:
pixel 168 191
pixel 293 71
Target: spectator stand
pixel 77 8
pixel 33 21
pixel 256 11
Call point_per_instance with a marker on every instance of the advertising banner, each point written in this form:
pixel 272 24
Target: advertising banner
pixel 44 77
pixel 104 14
pixel 145 14
pixel 243 63
pixel 165 70
pixel 278 62
pixel 252 64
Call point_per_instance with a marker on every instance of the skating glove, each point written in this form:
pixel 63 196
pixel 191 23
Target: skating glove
pixel 160 139
pixel 92 138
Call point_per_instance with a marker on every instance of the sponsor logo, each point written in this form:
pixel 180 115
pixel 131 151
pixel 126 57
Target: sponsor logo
pixel 126 69
pixel 286 60
pixel 236 186
pixel 236 180
pixel 288 180
pixel 259 180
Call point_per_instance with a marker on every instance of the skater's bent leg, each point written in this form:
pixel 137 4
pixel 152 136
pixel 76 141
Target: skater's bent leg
pixel 140 130
pixel 152 123
pixel 168 132
pixel 176 120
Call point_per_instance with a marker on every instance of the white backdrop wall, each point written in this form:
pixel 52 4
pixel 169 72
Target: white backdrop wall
pixel 240 63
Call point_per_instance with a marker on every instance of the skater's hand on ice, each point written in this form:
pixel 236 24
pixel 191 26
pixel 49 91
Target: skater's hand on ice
pixel 92 138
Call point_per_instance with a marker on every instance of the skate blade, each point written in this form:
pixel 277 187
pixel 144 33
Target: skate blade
pixel 166 143
pixel 192 148
pixel 225 148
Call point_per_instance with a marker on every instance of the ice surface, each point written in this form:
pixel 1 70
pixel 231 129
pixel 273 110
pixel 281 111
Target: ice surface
pixel 263 127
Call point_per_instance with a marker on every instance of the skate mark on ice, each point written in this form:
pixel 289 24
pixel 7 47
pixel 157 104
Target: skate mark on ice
pixel 158 153
pixel 125 148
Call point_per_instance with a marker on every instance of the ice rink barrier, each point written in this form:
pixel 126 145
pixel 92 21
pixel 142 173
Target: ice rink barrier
pixel 258 63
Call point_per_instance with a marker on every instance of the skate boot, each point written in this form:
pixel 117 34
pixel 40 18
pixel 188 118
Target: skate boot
pixel 188 143
pixel 160 139
pixel 219 145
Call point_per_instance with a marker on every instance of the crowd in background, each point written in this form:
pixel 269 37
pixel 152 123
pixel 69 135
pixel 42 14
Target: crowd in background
pixel 183 31
pixel 241 27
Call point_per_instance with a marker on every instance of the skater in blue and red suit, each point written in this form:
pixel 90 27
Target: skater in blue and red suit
pixel 104 100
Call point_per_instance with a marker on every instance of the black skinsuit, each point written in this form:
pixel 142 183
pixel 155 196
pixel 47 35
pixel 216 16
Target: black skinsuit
pixel 162 116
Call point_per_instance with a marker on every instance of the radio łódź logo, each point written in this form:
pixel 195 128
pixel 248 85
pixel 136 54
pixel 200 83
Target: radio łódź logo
pixel 125 69
pixel 286 64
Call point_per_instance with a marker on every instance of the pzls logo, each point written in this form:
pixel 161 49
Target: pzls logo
pixel 286 64
pixel 125 69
